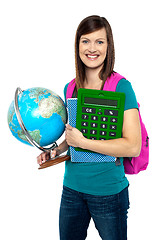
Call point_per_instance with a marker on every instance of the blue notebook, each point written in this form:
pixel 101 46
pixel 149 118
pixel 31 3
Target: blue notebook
pixel 77 156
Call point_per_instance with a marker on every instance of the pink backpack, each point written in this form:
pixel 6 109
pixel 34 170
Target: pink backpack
pixel 132 165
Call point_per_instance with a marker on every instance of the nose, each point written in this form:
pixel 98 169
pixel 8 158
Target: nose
pixel 92 48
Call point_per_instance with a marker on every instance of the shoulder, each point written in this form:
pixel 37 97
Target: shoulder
pixel 123 84
pixel 70 90
pixel 126 87
pixel 65 88
pixel 72 82
pixel 65 91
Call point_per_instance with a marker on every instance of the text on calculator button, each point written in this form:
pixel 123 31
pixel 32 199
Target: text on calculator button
pixel 94 125
pixel 94 132
pixel 84 130
pixel 93 138
pixel 112 134
pixel 84 124
pixel 111 112
pixel 114 120
pixel 99 113
pixel 113 127
pixel 103 133
pixel 84 116
pixel 88 110
pixel 94 118
pixel 103 125
pixel 104 119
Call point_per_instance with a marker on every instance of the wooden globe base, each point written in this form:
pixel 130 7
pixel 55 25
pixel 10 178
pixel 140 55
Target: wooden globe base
pixel 54 161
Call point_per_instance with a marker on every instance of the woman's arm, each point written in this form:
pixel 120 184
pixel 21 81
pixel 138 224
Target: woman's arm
pixel 127 146
pixel 60 149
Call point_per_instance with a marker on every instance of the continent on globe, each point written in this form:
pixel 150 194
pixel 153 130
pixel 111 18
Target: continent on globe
pixel 50 105
pixel 43 113
pixel 34 134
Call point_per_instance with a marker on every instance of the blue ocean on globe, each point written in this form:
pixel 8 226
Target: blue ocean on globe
pixel 43 113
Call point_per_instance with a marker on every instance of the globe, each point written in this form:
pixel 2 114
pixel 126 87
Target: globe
pixel 43 113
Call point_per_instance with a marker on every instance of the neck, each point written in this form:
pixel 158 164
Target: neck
pixel 92 79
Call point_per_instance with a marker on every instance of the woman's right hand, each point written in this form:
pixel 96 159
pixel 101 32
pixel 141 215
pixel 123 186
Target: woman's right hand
pixel 44 156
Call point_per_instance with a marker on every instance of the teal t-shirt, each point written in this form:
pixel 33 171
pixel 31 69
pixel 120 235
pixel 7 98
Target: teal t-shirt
pixel 100 178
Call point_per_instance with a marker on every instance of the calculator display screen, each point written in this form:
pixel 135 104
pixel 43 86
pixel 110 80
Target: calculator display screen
pixel 102 102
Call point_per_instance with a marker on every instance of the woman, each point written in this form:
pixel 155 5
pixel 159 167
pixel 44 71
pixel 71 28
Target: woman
pixel 97 190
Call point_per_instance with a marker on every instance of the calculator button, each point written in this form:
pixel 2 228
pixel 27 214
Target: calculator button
pixel 99 113
pixel 94 132
pixel 102 138
pixel 84 116
pixel 84 124
pixel 104 119
pixel 103 125
pixel 94 125
pixel 113 127
pixel 111 112
pixel 84 130
pixel 114 120
pixel 103 133
pixel 94 118
pixel 93 138
pixel 88 110
pixel 112 134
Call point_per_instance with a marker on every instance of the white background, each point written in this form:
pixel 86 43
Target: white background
pixel 37 50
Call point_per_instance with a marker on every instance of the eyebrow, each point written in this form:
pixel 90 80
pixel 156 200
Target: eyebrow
pixel 96 39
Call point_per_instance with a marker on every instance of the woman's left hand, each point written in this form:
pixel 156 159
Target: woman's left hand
pixel 74 137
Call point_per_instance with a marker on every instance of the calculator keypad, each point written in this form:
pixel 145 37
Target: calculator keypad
pixel 100 114
pixel 99 124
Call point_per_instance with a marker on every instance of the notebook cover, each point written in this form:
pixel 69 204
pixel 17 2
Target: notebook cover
pixel 77 156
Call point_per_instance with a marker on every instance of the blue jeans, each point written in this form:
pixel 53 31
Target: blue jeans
pixel 109 214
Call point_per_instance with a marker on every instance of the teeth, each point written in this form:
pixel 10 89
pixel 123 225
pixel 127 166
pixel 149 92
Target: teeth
pixel 91 56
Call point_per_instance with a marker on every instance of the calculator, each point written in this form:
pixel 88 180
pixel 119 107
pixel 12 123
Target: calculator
pixel 100 114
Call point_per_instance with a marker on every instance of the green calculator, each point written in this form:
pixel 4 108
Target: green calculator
pixel 100 114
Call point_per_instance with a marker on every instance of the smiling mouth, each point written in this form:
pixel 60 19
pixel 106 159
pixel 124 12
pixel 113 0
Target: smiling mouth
pixel 92 57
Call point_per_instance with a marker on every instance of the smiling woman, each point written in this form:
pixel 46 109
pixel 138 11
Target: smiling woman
pixel 93 49
pixel 89 186
pixel 94 36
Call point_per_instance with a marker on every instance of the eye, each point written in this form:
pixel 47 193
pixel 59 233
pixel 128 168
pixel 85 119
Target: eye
pixel 84 41
pixel 100 42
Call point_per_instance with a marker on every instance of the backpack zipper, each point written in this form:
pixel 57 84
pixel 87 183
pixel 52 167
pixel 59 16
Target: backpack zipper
pixel 147 141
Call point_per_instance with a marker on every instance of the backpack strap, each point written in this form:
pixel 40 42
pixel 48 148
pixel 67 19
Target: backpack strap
pixel 110 84
pixel 112 81
pixel 70 88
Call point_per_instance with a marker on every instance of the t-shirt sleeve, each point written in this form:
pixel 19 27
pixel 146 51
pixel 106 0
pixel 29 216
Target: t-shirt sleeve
pixel 130 97
pixel 65 91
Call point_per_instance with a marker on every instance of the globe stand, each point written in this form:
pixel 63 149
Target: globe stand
pixel 51 161
pixel 54 161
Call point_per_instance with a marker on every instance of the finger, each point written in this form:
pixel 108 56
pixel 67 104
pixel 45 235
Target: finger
pixel 39 159
pixel 53 153
pixel 47 156
pixel 44 157
pixel 69 127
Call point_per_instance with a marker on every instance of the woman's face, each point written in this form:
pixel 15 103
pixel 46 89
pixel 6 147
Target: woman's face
pixel 93 48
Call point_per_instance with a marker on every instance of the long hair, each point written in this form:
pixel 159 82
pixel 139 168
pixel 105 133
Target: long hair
pixel 86 26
